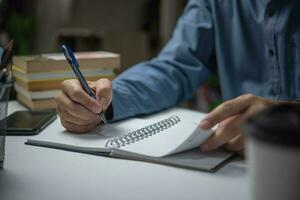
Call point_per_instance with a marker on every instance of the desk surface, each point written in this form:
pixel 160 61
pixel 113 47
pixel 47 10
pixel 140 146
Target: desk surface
pixel 34 173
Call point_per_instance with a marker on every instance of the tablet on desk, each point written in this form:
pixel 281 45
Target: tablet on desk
pixel 28 122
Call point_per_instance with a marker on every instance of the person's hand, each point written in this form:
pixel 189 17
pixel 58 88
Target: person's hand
pixel 229 116
pixel 77 110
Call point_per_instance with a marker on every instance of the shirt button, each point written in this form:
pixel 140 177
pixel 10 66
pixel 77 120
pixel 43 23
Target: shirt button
pixel 271 52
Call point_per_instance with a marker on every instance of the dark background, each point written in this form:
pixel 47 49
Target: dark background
pixel 137 29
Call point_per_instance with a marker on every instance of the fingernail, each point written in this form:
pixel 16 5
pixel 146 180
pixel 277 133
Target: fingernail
pixel 204 147
pixel 204 124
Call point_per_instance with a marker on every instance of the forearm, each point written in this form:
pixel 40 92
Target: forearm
pixel 151 87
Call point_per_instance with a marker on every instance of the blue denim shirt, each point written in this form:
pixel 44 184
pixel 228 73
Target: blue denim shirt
pixel 253 45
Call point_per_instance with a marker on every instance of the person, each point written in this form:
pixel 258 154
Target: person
pixel 253 45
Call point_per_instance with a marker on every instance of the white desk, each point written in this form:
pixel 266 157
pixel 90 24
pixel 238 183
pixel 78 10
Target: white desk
pixel 35 173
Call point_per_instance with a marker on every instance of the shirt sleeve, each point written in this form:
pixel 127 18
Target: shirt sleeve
pixel 175 74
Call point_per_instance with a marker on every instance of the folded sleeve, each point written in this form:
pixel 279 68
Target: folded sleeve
pixel 175 74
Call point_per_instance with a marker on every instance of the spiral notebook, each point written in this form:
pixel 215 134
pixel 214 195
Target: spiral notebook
pixel 171 137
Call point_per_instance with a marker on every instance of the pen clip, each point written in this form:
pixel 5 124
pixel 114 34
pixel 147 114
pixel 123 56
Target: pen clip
pixel 69 55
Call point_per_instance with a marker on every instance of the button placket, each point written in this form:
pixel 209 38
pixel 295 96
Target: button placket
pixel 270 20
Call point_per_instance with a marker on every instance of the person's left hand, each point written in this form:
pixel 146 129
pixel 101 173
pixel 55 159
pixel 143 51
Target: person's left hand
pixel 229 116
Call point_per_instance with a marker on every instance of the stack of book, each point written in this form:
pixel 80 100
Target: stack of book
pixel 38 78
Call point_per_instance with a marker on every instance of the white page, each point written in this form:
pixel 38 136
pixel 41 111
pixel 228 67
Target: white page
pixel 55 133
pixel 182 136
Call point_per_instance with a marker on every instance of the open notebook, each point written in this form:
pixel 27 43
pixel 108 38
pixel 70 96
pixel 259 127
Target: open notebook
pixel 171 137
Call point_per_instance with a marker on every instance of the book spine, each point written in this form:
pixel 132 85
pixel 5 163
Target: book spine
pixel 37 104
pixel 50 84
pixel 61 65
pixel 34 95
pixel 58 75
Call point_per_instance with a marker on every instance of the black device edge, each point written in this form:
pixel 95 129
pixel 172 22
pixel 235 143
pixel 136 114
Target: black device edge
pixel 41 125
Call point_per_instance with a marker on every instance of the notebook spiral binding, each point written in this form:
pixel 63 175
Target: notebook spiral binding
pixel 143 133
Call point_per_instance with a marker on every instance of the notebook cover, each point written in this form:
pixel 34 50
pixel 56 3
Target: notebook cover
pixel 191 159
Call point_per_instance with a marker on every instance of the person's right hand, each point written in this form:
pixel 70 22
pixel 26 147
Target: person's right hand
pixel 77 110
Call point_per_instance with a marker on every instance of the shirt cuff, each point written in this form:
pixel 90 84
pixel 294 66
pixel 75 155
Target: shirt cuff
pixel 121 105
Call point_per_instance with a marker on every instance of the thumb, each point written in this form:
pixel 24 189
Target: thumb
pixel 103 92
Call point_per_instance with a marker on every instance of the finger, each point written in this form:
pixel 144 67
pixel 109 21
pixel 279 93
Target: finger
pixel 237 144
pixel 256 108
pixel 224 133
pixel 75 109
pixel 227 109
pixel 77 128
pixel 232 127
pixel 66 116
pixel 73 89
pixel 252 110
pixel 104 92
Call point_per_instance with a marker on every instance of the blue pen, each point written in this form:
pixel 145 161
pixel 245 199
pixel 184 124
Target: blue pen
pixel 75 67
